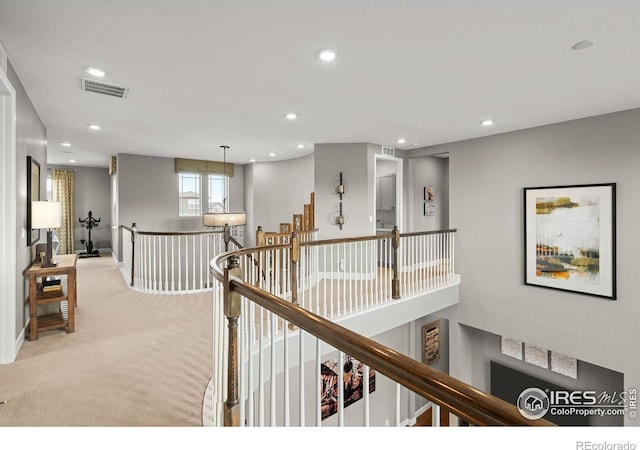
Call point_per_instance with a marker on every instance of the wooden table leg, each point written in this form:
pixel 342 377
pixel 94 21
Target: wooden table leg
pixel 71 304
pixel 33 308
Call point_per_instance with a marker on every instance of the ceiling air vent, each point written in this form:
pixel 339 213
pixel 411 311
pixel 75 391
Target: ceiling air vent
pixel 98 87
pixel 388 151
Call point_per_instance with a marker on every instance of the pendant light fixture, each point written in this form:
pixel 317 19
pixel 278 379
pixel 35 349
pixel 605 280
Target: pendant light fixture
pixel 224 219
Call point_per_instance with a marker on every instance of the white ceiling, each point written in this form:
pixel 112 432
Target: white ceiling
pixel 206 73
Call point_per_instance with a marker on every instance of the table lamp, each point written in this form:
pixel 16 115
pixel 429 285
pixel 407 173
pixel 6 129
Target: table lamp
pixel 47 215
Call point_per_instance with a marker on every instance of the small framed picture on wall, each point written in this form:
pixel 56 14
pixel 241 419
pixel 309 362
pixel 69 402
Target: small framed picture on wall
pixel 429 209
pixel 429 194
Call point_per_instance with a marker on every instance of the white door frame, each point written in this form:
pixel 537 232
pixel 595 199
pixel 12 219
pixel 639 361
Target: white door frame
pixel 399 190
pixel 8 246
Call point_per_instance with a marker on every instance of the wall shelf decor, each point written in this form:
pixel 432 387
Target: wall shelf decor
pixel 570 238
pixel 431 342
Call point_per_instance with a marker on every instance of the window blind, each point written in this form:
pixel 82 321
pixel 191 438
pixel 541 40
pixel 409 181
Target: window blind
pixel 203 167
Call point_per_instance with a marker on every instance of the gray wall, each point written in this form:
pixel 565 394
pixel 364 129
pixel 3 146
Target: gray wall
pixel 280 189
pixel 428 171
pixel 31 140
pixel 148 194
pixel 486 347
pixel 356 162
pixel 92 192
pixel 250 228
pixel 486 180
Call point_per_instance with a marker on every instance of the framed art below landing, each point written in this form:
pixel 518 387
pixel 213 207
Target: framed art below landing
pixel 570 238
pixel 431 342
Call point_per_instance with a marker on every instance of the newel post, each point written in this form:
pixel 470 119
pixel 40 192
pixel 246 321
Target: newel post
pixel 259 236
pixel 395 243
pixel 133 252
pixel 294 257
pixel 232 312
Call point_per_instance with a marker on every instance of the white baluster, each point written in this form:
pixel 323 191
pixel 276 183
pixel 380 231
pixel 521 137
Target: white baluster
pixel 435 415
pixel 318 382
pixel 272 381
pixel 285 328
pixel 301 376
pixel 154 259
pixel 261 369
pixel 365 392
pixel 193 267
pixel 339 373
pixel 251 388
pixel 179 265
pixel 397 407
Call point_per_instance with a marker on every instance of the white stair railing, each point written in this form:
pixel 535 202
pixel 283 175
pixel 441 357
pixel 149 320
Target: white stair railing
pixel 277 362
pixel 172 262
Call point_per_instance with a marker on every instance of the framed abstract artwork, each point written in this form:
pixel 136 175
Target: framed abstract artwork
pixel 570 238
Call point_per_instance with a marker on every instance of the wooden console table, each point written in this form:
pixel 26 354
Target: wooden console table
pixel 37 274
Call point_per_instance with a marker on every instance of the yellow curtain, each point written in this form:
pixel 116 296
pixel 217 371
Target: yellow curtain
pixel 62 191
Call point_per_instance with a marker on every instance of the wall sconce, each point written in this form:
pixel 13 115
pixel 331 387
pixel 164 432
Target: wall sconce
pixel 340 187
pixel 340 217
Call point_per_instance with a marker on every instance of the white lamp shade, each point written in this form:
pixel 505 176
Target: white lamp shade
pixel 46 214
pixel 222 219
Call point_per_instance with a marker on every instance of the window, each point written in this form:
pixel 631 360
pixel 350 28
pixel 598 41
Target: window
pixel 189 194
pixel 218 187
pixel 49 187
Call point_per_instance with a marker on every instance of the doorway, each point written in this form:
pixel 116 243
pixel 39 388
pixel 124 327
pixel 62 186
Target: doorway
pixel 388 193
pixel 8 193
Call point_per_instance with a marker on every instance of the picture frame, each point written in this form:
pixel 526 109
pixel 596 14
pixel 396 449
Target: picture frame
pixel 33 194
pixel 429 194
pixel 536 355
pixel 570 238
pixel 429 209
pixel 431 342
pixel 351 374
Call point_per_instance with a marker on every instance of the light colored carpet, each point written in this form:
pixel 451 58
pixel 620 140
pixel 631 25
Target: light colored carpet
pixel 134 360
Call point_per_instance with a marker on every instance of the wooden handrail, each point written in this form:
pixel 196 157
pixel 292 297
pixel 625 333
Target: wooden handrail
pixel 179 233
pixel 372 238
pixel 465 401
pixel 426 233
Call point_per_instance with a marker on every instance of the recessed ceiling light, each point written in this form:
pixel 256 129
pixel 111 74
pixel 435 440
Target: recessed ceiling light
pixel 582 45
pixel 487 123
pixel 252 160
pixel 95 72
pixel 272 154
pixel 291 116
pixel 300 145
pixel 401 141
pixel 327 55
pixel 65 144
pixel 72 160
pixel 94 126
pixel 417 144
